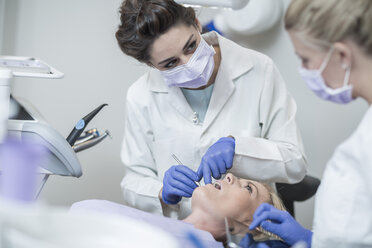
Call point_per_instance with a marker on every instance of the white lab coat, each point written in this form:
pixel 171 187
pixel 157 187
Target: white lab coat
pixel 249 101
pixel 343 207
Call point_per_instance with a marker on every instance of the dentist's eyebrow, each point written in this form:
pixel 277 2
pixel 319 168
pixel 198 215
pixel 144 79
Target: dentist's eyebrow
pixel 188 41
pixel 166 60
pixel 185 46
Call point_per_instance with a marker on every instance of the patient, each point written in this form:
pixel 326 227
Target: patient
pixel 232 197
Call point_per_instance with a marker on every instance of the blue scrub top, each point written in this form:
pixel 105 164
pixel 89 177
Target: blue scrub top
pixel 199 100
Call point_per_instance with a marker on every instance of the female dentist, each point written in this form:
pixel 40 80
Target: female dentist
pixel 215 105
pixel 333 38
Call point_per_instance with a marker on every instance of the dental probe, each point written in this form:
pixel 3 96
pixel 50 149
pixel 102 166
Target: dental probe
pixel 180 163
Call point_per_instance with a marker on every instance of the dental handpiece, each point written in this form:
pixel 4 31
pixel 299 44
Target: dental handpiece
pixel 180 163
pixel 92 142
pixel 82 123
pixel 86 136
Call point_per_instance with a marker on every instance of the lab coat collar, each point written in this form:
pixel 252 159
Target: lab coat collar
pixel 234 59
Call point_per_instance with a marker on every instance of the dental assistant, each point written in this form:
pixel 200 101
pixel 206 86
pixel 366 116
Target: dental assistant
pixel 333 38
pixel 217 106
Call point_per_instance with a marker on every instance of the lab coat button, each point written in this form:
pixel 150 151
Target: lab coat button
pixel 195 120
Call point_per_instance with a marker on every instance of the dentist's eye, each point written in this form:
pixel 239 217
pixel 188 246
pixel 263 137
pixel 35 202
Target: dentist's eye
pixel 192 46
pixel 249 188
pixel 171 64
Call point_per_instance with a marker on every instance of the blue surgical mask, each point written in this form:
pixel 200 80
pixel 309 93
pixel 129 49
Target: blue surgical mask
pixel 316 82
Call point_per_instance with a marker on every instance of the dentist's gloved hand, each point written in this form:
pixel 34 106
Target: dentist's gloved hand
pixel 217 160
pixel 178 182
pixel 248 242
pixel 281 223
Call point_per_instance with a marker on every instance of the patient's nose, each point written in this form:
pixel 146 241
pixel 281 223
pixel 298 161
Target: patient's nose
pixel 229 178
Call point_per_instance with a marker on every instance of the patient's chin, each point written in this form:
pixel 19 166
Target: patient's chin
pixel 201 197
pixel 198 193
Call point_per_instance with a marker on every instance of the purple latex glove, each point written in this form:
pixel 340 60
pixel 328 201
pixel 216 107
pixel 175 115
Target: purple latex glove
pixel 179 181
pixel 217 160
pixel 281 223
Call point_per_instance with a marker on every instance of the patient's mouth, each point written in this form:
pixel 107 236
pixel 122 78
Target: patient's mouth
pixel 217 185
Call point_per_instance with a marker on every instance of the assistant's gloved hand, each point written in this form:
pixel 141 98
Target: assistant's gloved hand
pixel 281 223
pixel 217 160
pixel 179 180
pixel 248 242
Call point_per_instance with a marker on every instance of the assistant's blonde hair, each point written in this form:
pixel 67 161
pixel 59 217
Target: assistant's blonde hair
pixel 324 22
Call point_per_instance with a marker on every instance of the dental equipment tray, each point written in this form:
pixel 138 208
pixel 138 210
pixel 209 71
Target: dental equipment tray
pixel 29 67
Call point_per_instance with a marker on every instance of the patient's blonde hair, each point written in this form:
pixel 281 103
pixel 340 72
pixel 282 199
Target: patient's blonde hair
pixel 274 200
pixel 324 22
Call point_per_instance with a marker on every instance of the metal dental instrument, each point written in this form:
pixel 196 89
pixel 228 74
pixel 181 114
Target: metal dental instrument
pixel 88 132
pixel 89 143
pixel 241 228
pixel 87 135
pixel 179 162
pixel 229 241
pixel 82 123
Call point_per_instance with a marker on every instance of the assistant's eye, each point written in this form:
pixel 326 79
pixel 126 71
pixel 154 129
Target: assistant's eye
pixel 304 62
pixel 249 188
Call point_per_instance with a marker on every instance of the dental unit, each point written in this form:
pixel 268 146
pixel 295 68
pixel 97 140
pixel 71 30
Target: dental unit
pixel 24 122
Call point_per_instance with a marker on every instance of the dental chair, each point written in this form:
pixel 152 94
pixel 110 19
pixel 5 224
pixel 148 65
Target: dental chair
pixel 301 191
pixel 43 226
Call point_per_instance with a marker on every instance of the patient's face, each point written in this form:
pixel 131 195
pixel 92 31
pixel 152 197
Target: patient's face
pixel 231 197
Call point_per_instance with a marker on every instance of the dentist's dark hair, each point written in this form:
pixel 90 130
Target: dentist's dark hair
pixel 143 21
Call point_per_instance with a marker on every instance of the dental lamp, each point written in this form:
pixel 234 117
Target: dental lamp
pixel 239 17
pixel 232 4
pixel 256 17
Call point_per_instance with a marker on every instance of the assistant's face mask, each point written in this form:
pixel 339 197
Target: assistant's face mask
pixel 196 72
pixel 316 83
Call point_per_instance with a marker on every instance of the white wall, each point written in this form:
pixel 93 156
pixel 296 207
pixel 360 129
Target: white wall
pixel 2 14
pixel 77 37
